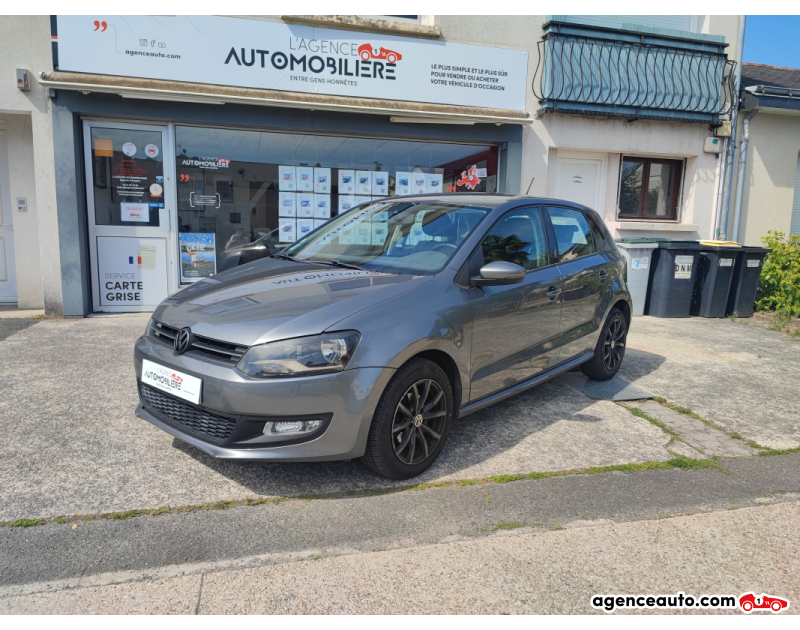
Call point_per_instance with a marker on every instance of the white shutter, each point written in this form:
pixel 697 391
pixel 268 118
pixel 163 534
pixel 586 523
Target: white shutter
pixel 675 22
pixel 794 227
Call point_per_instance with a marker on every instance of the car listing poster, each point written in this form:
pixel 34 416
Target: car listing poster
pixel 198 256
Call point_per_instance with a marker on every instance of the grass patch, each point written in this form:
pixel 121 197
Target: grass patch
pixel 767 452
pixel 641 414
pixel 26 522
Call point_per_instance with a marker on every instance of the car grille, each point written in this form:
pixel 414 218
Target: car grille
pixel 201 347
pixel 209 426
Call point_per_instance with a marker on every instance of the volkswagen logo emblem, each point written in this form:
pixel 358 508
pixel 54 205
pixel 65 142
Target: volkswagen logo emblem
pixel 183 340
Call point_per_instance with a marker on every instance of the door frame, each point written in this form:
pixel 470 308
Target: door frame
pixel 602 173
pixel 170 210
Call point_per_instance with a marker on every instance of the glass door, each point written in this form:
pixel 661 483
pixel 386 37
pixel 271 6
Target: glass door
pixel 129 192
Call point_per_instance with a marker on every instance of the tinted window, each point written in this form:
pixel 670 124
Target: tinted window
pixel 599 237
pixel 573 234
pixel 518 238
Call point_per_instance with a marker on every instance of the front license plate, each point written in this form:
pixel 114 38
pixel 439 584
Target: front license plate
pixel 171 381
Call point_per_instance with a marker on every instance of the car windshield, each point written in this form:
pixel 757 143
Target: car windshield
pixel 406 236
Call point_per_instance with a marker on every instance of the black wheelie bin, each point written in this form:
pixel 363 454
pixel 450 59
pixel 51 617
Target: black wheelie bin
pixel 746 272
pixel 714 274
pixel 672 275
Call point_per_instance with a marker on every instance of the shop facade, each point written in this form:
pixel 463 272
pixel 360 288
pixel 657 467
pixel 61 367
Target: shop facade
pixel 161 190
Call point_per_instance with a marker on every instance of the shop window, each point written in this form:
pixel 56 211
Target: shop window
pixel 266 190
pixel 649 188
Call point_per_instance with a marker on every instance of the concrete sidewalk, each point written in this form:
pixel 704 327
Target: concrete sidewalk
pixel 517 572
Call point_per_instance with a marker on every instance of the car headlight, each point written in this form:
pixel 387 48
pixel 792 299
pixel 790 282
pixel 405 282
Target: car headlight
pixel 147 330
pixel 320 354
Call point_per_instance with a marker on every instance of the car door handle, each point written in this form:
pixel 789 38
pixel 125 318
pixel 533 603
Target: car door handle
pixel 553 292
pixel 603 276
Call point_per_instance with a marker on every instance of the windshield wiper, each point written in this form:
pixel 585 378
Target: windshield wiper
pixel 339 263
pixel 288 257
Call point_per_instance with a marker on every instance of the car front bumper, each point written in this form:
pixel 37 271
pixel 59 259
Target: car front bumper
pixel 347 399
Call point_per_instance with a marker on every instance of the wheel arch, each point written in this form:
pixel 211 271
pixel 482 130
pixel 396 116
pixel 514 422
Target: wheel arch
pixel 449 367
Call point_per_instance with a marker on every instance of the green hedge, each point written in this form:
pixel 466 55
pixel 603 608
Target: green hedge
pixel 779 285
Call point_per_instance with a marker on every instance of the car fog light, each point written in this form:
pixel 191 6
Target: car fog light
pixel 293 427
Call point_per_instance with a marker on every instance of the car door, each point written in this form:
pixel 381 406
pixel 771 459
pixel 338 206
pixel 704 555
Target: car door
pixel 585 274
pixel 515 326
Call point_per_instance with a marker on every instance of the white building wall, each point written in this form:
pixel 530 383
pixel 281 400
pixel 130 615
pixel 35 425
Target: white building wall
pixel 25 43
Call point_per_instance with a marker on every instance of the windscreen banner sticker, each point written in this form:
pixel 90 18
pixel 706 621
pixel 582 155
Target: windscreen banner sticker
pixel 171 381
pixel 683 267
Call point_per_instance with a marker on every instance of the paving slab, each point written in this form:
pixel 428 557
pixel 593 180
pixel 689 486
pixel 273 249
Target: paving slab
pixel 743 378
pixel 708 440
pixel 74 446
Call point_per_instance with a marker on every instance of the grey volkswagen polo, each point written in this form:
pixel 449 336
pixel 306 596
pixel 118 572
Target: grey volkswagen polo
pixel 368 337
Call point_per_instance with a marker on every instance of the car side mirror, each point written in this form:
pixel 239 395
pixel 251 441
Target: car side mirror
pixel 498 273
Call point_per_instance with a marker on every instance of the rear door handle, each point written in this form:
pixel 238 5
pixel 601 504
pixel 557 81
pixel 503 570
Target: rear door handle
pixel 603 276
pixel 553 292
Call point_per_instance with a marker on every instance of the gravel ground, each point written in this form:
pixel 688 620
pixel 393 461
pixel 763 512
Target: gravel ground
pixel 741 377
pixel 521 572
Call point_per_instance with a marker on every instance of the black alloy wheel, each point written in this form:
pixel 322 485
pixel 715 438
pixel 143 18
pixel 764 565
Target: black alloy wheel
pixel 610 348
pixel 614 344
pixel 411 422
pixel 419 421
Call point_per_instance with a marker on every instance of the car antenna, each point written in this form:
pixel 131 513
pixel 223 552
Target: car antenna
pixel 529 185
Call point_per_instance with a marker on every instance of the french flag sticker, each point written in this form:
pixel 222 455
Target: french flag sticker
pixel 138 260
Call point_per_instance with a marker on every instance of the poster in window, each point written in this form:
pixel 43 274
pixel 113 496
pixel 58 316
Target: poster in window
pixel 304 227
pixel 346 202
pixel 402 184
pixel 362 199
pixel 305 179
pixel 322 206
pixel 379 232
pixel 363 182
pixel 347 235
pixel 419 183
pixel 347 182
pixel 319 223
pixel 287 178
pixel 433 182
pixel 322 181
pixel 225 190
pixel 287 204
pixel 198 256
pixel 363 234
pixel 305 205
pixel 380 184
pixel 286 230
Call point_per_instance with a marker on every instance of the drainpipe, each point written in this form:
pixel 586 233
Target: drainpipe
pixel 725 210
pixel 737 214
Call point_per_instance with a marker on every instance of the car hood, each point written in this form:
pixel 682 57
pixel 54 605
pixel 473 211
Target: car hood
pixel 273 299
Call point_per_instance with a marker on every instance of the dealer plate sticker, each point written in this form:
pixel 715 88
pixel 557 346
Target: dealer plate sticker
pixel 683 267
pixel 171 381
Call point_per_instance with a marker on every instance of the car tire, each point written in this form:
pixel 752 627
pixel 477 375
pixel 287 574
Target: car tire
pixel 747 607
pixel 610 349
pixel 400 444
pixel 776 606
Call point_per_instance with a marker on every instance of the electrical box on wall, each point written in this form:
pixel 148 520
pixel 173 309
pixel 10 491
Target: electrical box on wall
pixel 724 130
pixel 712 145
pixel 22 80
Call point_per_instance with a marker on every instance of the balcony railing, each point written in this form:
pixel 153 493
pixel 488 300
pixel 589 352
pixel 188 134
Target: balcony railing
pixel 633 74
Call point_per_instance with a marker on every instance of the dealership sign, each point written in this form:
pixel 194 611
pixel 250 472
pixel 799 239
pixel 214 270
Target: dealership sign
pixel 267 55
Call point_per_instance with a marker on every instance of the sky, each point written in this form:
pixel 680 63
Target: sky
pixel 773 40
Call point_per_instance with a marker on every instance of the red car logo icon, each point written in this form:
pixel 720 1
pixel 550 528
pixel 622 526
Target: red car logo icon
pixel 367 52
pixel 176 378
pixel 749 602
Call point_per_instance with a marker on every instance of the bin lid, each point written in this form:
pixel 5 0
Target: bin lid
pixel 655 239
pixel 692 245
pixel 720 244
pixel 756 250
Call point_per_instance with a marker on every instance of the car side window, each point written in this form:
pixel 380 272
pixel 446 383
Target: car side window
pixel 573 234
pixel 518 237
pixel 599 237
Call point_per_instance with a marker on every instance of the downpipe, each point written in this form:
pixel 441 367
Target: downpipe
pixel 737 213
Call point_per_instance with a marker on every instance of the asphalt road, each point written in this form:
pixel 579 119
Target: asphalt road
pixel 405 519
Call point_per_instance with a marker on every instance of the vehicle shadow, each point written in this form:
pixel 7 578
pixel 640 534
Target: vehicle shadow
pixel 550 427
